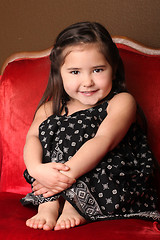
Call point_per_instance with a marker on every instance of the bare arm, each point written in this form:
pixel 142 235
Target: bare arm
pixel 121 114
pixel 33 149
pixel 46 174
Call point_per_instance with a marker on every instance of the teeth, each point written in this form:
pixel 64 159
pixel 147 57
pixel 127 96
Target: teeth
pixel 88 91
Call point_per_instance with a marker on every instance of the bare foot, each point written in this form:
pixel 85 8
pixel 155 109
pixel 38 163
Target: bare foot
pixel 69 218
pixel 46 217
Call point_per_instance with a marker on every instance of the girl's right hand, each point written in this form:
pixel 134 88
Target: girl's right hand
pixel 49 175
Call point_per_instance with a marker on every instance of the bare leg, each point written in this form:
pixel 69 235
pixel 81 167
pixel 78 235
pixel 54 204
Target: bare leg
pixel 69 218
pixel 46 217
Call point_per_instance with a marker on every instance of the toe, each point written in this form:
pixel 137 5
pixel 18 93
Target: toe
pixel 68 223
pixel 30 223
pixel 40 224
pixel 48 225
pixel 63 224
pixel 72 222
pixel 57 227
pixel 60 225
pixel 77 221
pixel 37 224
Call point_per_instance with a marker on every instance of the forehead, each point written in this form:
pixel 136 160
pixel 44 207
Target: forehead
pixel 71 51
pixel 80 47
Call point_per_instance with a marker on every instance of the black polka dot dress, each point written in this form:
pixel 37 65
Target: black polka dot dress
pixel 121 185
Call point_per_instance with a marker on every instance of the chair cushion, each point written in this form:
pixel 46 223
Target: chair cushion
pixel 14 215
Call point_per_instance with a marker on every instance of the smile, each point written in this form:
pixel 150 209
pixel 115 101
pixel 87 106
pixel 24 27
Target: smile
pixel 88 93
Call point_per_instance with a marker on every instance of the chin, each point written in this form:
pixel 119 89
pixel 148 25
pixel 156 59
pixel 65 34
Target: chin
pixel 90 103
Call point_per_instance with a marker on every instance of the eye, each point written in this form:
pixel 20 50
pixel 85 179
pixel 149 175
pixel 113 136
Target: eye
pixel 98 70
pixel 75 72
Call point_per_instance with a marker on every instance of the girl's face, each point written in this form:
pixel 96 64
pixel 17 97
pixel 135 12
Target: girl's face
pixel 86 74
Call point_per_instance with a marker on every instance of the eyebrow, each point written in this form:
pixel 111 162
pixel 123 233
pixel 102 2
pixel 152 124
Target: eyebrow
pixel 98 66
pixel 72 68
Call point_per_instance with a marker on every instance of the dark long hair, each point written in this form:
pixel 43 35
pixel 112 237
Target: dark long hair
pixel 76 34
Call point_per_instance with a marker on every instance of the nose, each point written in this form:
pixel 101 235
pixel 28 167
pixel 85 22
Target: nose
pixel 87 81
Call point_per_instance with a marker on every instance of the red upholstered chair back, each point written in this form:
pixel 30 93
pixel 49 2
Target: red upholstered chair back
pixel 22 85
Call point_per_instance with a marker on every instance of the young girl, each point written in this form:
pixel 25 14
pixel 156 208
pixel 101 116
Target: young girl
pixel 84 146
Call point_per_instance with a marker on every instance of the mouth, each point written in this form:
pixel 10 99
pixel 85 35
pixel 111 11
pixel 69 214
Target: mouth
pixel 88 93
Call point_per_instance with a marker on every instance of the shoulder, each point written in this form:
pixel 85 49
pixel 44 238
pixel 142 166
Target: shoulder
pixel 44 111
pixel 124 97
pixel 122 102
pixel 41 115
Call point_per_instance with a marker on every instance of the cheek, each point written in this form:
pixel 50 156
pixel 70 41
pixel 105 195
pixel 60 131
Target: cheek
pixel 69 86
pixel 107 87
pixel 66 82
pixel 106 83
pixel 66 87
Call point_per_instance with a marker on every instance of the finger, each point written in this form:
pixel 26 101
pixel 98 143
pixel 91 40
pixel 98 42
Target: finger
pixel 40 191
pixel 60 166
pixel 65 179
pixel 60 186
pixel 52 192
pixel 49 194
pixel 55 190
pixel 35 183
pixel 37 187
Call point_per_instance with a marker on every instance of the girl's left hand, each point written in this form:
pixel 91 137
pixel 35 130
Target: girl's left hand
pixel 38 189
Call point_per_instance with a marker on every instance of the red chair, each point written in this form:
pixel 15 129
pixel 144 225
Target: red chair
pixel 22 84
